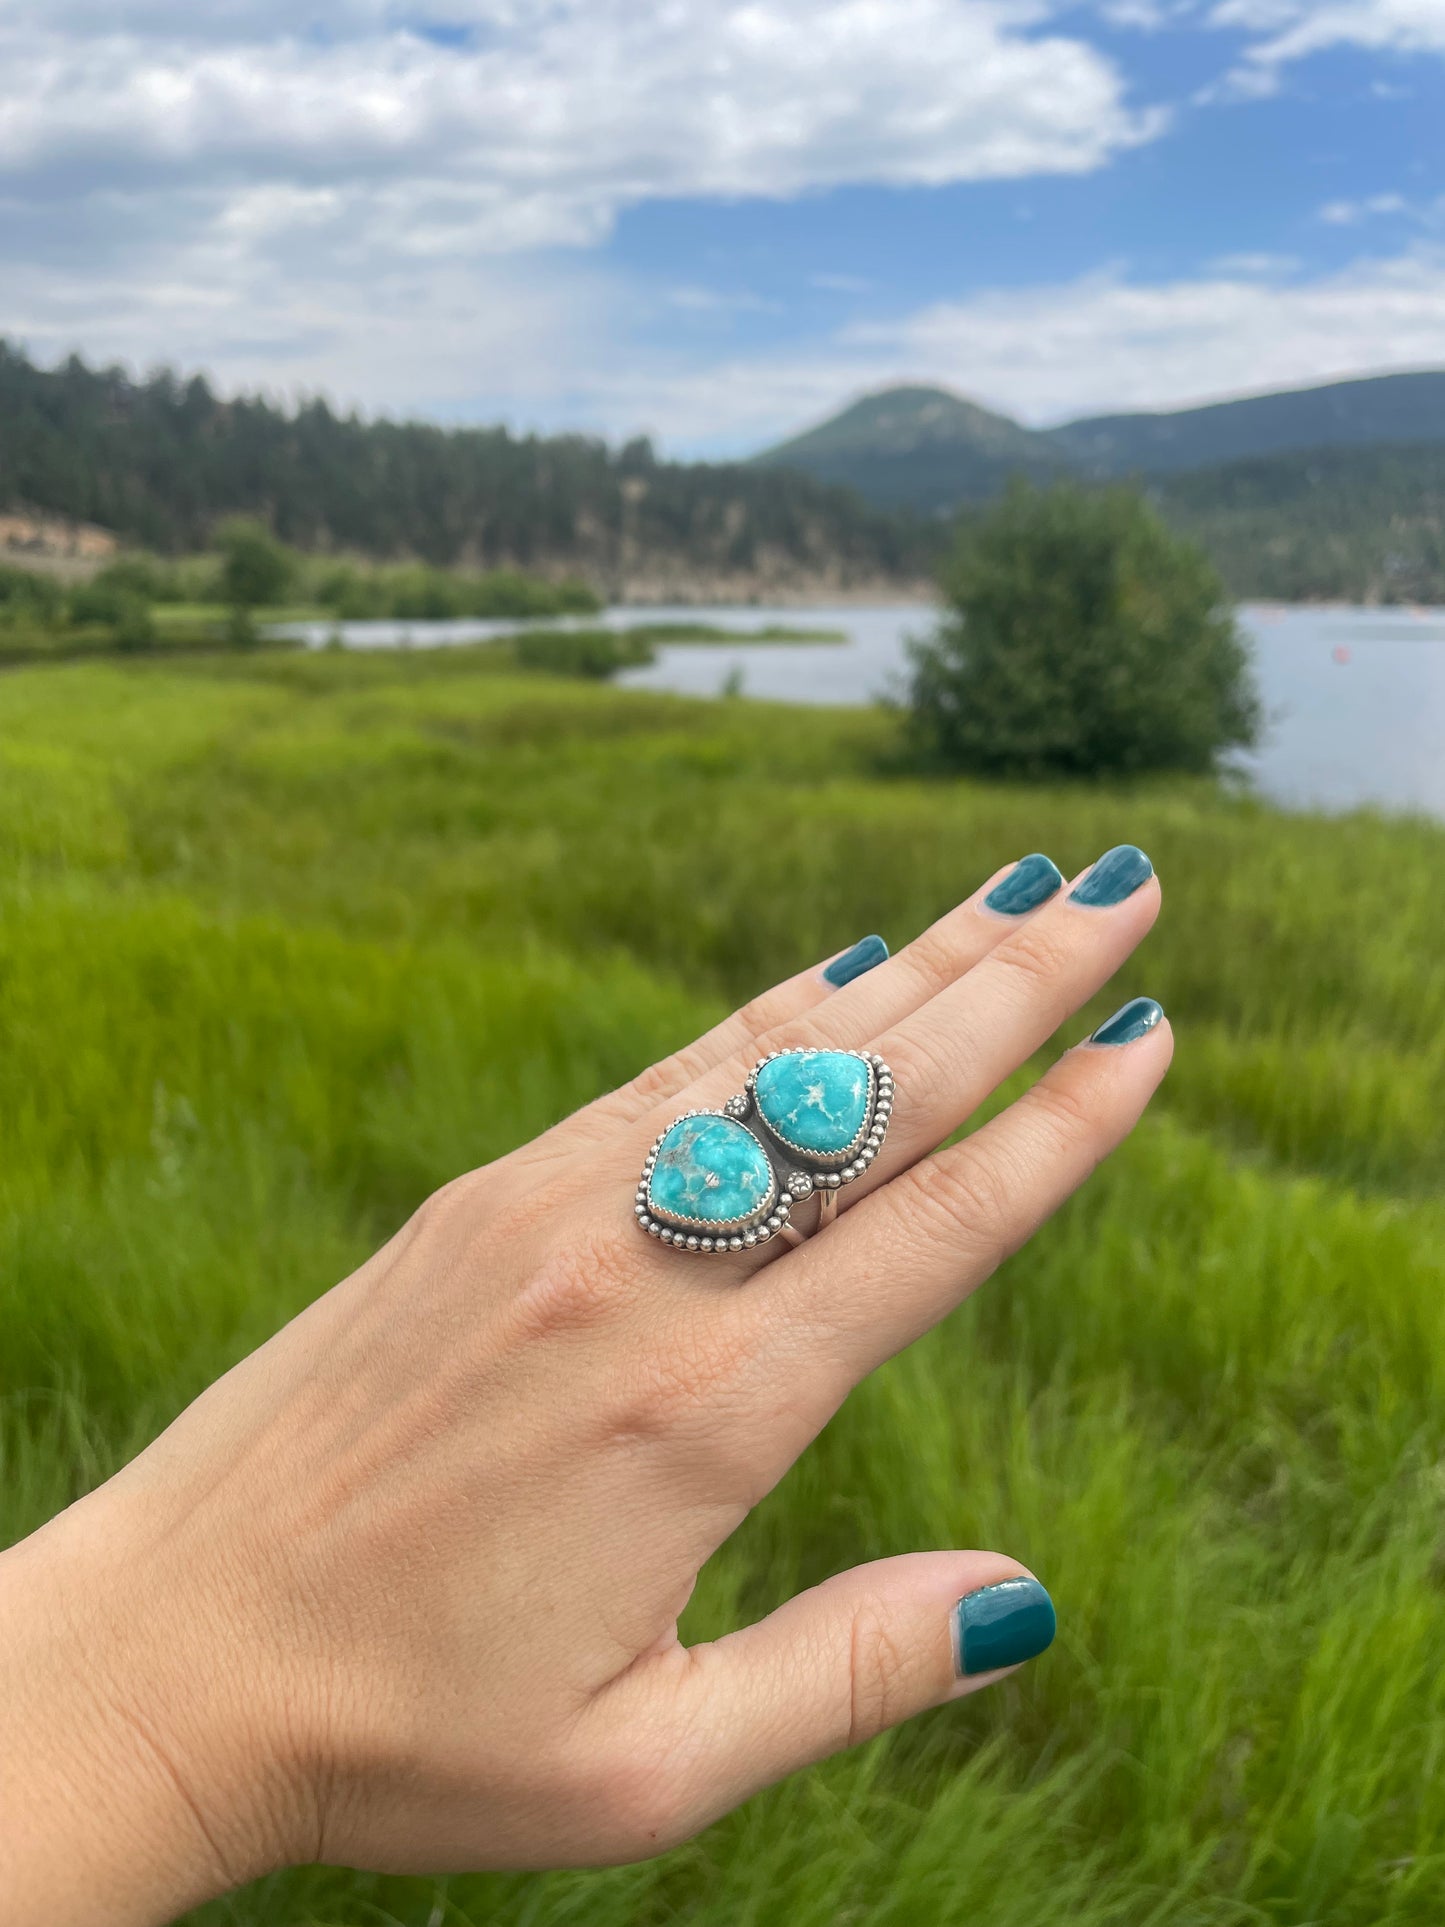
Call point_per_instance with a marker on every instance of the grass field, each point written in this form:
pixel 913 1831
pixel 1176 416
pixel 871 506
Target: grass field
pixel 287 940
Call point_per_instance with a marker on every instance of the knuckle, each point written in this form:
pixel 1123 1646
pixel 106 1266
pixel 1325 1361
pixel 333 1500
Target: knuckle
pixel 1063 1112
pixel 970 1194
pixel 929 1065
pixel 670 1075
pixel 581 1284
pixel 1039 957
pixel 934 956
pixel 880 1667
pixel 754 1019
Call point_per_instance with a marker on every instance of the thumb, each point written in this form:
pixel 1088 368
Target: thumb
pixel 838 1665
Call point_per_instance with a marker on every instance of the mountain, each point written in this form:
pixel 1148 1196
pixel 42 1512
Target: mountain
pixel 161 461
pixel 929 450
pixel 918 447
pixel 1345 414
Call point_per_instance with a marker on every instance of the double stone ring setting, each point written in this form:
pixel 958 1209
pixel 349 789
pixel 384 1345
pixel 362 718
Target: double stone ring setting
pixel 806 1123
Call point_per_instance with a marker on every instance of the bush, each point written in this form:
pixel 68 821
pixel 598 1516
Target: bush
pixel 256 570
pixel 146 577
pixel 591 653
pixel 1084 639
pixel 122 611
pixel 416 592
pixel 29 599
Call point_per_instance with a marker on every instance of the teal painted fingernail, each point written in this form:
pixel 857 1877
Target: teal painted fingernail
pixel 1028 884
pixel 865 954
pixel 1138 1017
pixel 1003 1625
pixel 1117 874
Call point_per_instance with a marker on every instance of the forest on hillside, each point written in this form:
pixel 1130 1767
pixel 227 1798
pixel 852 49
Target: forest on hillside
pixel 161 461
pixel 1326 524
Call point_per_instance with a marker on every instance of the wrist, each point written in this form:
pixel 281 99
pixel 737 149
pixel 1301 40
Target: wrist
pixel 131 1778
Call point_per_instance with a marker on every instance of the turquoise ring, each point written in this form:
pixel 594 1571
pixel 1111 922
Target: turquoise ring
pixel 806 1123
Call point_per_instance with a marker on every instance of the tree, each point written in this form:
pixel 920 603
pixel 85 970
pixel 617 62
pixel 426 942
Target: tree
pixel 255 569
pixel 1084 638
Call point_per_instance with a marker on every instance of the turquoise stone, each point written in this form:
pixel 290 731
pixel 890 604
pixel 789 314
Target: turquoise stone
pixel 814 1101
pixel 710 1171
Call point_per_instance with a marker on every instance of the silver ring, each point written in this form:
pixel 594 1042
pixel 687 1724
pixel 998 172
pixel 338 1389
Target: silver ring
pixel 806 1123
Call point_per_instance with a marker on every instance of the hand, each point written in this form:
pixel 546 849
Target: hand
pixel 402 1590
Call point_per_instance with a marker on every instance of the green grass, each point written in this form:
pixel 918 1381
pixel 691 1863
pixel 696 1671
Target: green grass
pixel 287 940
pixel 677 632
pixel 190 615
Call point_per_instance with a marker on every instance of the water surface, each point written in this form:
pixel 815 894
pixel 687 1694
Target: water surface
pixel 1355 697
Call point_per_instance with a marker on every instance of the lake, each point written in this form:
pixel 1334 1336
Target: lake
pixel 1355 697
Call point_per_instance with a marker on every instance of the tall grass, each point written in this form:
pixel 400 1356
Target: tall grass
pixel 286 942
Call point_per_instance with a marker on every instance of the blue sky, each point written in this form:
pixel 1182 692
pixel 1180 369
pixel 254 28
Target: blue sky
pixel 714 220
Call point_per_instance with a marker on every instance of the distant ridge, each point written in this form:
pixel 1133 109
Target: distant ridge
pixel 1341 414
pixel 918 447
pixel 928 449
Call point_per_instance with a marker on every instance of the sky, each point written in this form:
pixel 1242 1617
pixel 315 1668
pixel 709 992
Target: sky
pixel 714 221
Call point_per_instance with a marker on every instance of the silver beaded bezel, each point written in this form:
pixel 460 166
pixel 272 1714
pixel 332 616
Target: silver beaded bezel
pixel 797 1174
pixel 845 1166
pixel 708 1236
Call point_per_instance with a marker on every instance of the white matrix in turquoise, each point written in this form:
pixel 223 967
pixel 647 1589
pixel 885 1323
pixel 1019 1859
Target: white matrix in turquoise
pixel 814 1101
pixel 710 1171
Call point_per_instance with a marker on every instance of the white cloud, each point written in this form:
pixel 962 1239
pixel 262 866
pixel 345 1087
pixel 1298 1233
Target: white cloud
pixel 356 207
pixel 570 110
pixel 1091 346
pixel 300 308
pixel 1266 264
pixel 1347 213
pixel 1109 343
pixel 1291 30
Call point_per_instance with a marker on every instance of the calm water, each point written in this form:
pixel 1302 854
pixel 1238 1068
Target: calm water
pixel 1356 697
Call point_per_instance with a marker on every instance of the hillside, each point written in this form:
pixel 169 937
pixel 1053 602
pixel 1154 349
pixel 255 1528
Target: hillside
pixel 918 447
pixel 1330 524
pixel 928 450
pixel 1345 414
pixel 160 462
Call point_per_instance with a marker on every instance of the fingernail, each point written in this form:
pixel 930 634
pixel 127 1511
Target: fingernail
pixel 1002 1625
pixel 1136 1019
pixel 1028 884
pixel 867 952
pixel 1116 875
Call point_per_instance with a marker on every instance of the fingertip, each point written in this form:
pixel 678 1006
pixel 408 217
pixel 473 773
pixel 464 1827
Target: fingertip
pixel 1001 1626
pixel 1129 1024
pixel 1023 887
pixel 856 961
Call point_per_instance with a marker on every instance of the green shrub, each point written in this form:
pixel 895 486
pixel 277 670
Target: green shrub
pixel 592 653
pixel 1083 639
pixel 149 578
pixel 416 592
pixel 256 569
pixel 29 599
pixel 124 612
